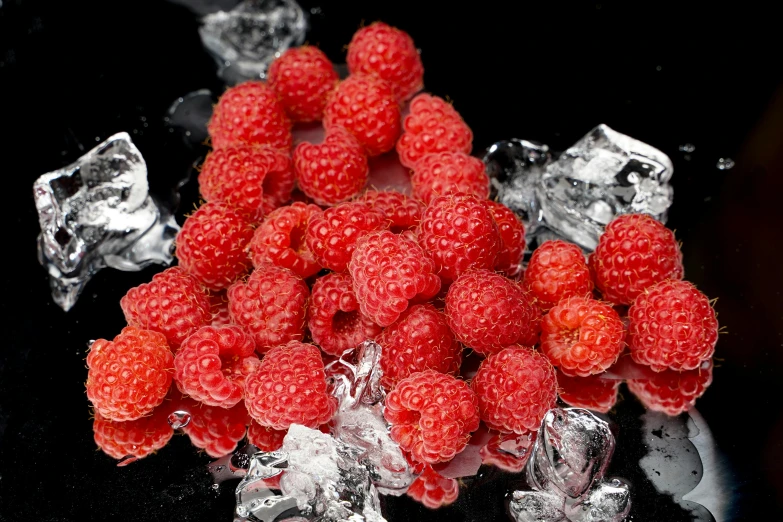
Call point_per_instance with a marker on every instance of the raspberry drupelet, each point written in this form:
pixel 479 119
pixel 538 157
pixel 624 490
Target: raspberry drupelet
pixel 557 270
pixel 302 77
pixel 512 239
pixel 441 173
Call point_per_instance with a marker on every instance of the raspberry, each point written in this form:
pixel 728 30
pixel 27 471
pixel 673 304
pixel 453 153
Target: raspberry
pixel 634 252
pixel 444 172
pixel 218 306
pixel 672 325
pixel 367 108
pixel 265 439
pixel 432 415
pixel 419 340
pixel 212 245
pixel 250 113
pixel 512 239
pixel 389 53
pixel 508 451
pixel 214 429
pixel 433 490
pixel 488 312
pixel 289 387
pixel 458 232
pixel 592 393
pixel 280 240
pixel 137 438
pixel 673 392
pixel 270 305
pixel 211 365
pixel 403 212
pixel 130 375
pixel 515 389
pixel 389 271
pixel 302 77
pixel 332 236
pixel 557 270
pixel 334 319
pixel 582 336
pixel 433 125
pixel 173 303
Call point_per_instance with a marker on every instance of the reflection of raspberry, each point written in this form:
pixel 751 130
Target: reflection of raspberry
pixel 432 415
pixel 515 388
pixel 512 239
pixel 280 240
pixel 508 451
pixel 433 490
pixel 302 77
pixel 137 438
pixel 582 336
pixel 265 439
pixel 557 270
pixel 173 303
pixel 672 325
pixel 634 252
pixel 214 429
pixel 419 340
pixel 444 172
pixel 403 212
pixel 592 392
pixel 673 392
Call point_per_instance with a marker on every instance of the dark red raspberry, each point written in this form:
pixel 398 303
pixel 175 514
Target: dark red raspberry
pixel 673 392
pixel 130 375
pixel 672 325
pixel 441 173
pixel 218 306
pixel 212 245
pixel 508 451
pixel 265 439
pixel 634 252
pixel 592 393
pixel 270 304
pixel 388 272
pixel 289 387
pixel 419 340
pixel 302 77
pixel 214 429
pixel 135 439
pixel 174 303
pixel 403 212
pixel 557 270
pixel 433 490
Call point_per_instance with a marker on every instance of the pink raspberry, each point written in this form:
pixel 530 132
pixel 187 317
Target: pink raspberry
pixel 557 270
pixel 214 429
pixel 404 212
pixel 512 239
pixel 592 392
pixel 302 77
pixel 673 392
pixel 136 439
pixel 441 173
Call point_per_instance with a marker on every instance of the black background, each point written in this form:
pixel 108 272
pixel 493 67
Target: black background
pixel 72 73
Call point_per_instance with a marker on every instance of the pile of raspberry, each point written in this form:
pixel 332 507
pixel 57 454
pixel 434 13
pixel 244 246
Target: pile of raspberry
pixel 295 258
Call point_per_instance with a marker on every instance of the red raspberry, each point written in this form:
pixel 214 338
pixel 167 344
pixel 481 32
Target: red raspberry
pixel 592 393
pixel 488 312
pixel 582 336
pixel 218 305
pixel 433 125
pixel 419 340
pixel 280 240
pixel 634 252
pixel 214 429
pixel 173 303
pixel 557 270
pixel 289 387
pixel 389 53
pixel 212 245
pixel 433 490
pixel 270 305
pixel 332 236
pixel 137 438
pixel 673 392
pixel 389 271
pixel 444 172
pixel 211 365
pixel 403 212
pixel 334 319
pixel 512 460
pixel 302 77
pixel 432 415
pixel 130 375
pixel 515 389
pixel 512 239
pixel 672 325
pixel 250 113
pixel 367 108
pixel 265 439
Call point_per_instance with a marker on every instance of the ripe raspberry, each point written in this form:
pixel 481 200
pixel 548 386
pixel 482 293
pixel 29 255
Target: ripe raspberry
pixel 634 252
pixel 129 375
pixel 419 340
pixel 582 336
pixel 332 236
pixel 389 53
pixel 137 438
pixel 673 392
pixel 280 240
pixel 270 305
pixel 367 108
pixel 265 439
pixel 212 245
pixel 508 451
pixel 433 490
pixel 433 125
pixel 250 113
pixel 512 239
pixel 389 271
pixel 173 303
pixel 440 173
pixel 302 77
pixel 214 429
pixel 218 306
pixel 557 270
pixel 432 415
pixel 515 389
pixel 403 212
pixel 289 387
pixel 212 363
pixel 672 325
pixel 334 319
pixel 488 312
pixel 592 393
pixel 458 232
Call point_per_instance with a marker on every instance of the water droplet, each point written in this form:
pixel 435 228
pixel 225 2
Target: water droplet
pixel 179 419
pixel 725 164
pixel 687 147
pixel 313 10
pixel 215 486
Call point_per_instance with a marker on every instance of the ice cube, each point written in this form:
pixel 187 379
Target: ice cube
pixel 536 506
pixel 255 500
pixel 246 39
pixel 190 115
pixel 609 501
pixel 97 212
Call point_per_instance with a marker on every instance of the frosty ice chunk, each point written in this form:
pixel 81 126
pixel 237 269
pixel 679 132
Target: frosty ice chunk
pixel 607 502
pixel 97 212
pixel 536 506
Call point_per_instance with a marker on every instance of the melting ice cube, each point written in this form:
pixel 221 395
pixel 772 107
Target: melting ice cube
pixel 536 506
pixel 609 501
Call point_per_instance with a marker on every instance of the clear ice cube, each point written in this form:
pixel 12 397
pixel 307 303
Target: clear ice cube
pixel 190 115
pixel 536 506
pixel 97 212
pixel 609 501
